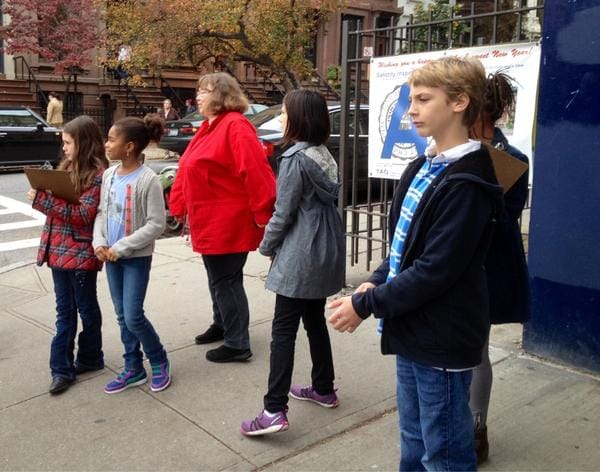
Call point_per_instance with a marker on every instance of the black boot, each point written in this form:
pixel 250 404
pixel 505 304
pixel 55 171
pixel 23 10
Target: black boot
pixel 482 446
pixel 228 354
pixel 213 334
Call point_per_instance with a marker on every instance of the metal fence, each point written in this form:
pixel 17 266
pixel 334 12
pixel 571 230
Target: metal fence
pixel 364 202
pixel 102 116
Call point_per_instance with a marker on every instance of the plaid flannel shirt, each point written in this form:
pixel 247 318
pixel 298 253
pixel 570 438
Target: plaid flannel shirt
pixel 66 241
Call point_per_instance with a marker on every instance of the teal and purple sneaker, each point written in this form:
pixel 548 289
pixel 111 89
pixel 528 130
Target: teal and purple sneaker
pixel 161 376
pixel 125 380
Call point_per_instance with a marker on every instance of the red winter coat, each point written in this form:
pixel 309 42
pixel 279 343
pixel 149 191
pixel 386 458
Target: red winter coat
pixel 66 241
pixel 225 186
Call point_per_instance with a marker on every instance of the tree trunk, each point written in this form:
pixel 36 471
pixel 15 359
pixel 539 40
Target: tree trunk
pixel 289 80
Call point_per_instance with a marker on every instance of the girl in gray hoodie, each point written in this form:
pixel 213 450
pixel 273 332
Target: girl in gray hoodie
pixel 305 240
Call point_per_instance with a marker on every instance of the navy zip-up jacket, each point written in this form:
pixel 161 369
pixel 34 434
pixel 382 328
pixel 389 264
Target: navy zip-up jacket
pixel 436 308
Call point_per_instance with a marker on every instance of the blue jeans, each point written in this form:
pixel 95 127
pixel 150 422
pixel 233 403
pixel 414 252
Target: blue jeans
pixel 128 281
pixel 75 290
pixel 230 304
pixel 436 426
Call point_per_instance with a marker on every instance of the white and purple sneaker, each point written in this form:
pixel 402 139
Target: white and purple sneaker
pixel 308 393
pixel 266 424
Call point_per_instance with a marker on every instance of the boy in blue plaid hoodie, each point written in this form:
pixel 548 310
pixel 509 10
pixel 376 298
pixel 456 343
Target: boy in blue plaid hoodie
pixel 430 294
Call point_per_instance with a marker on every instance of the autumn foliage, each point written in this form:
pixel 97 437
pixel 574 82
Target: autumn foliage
pixel 58 31
pixel 275 34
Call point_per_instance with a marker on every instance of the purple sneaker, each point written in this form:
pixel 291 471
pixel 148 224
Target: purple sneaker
pixel 161 376
pixel 125 380
pixel 309 393
pixel 264 424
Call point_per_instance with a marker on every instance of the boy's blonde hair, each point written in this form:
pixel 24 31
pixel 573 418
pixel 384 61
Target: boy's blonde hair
pixel 455 75
pixel 226 94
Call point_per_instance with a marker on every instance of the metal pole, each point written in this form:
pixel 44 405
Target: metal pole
pixel 451 27
pixel 429 29
pixel 472 24
pixel 345 95
pixel 519 22
pixel 355 223
pixel 410 35
pixel 495 22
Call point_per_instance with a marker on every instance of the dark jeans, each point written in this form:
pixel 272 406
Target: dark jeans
pixel 436 426
pixel 128 281
pixel 230 304
pixel 288 312
pixel 76 291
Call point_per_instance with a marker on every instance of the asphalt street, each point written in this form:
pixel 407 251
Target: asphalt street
pixel 20 225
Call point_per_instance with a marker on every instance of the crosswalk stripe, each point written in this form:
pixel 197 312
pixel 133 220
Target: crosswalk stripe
pixel 20 224
pixel 21 244
pixel 16 206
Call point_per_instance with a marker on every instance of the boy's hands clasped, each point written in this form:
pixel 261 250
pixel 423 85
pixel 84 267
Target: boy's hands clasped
pixel 345 318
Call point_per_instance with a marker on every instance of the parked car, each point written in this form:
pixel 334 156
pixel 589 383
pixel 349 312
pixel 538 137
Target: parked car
pixel 268 128
pixel 179 133
pixel 27 139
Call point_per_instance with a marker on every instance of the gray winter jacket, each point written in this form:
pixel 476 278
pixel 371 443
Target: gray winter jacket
pixel 305 235
pixel 147 211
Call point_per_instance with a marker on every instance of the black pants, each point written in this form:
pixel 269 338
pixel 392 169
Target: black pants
pixel 230 304
pixel 288 312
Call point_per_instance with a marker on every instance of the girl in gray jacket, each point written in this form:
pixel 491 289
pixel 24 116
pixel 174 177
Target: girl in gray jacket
pixel 305 240
pixel 130 218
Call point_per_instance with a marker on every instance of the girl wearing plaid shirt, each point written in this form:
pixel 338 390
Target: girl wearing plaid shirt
pixel 66 247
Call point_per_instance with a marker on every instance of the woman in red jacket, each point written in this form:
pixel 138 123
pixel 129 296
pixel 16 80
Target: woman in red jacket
pixel 226 189
pixel 66 246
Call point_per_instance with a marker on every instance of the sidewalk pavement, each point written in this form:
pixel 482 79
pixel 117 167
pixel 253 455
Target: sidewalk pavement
pixel 542 417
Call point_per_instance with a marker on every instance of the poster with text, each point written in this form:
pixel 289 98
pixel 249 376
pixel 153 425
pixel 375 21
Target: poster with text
pixel 394 142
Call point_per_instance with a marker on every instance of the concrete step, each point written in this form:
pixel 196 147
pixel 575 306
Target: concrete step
pixel 150 97
pixel 16 93
pixel 13 95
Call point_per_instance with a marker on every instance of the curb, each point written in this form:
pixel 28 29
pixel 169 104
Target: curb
pixel 16 265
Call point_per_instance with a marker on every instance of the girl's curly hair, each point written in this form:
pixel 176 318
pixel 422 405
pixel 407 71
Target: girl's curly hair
pixel 499 95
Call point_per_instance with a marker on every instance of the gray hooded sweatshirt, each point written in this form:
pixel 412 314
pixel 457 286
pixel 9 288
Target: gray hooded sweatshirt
pixel 305 235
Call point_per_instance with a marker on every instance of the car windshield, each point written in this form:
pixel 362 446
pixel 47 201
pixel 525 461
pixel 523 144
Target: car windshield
pixel 17 118
pixel 194 117
pixel 255 108
pixel 268 119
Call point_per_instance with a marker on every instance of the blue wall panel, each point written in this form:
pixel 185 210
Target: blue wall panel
pixel 564 244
